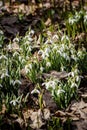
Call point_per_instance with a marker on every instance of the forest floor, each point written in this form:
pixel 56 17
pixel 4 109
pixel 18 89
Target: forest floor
pixel 16 20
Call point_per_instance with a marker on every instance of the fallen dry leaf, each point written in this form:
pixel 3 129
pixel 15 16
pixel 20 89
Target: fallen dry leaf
pixel 78 105
pixel 36 118
pixel 3 109
pixel 48 22
pixel 60 113
pixel 46 113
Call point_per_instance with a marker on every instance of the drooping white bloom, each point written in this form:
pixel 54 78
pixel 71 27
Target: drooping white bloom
pixel 27 43
pixel 40 52
pixel 48 64
pixel 49 41
pixel 74 85
pixel 16 82
pixel 30 66
pixel 15 54
pixel 59 91
pixel 29 48
pixel 44 56
pixel 3 57
pixel 65 37
pixel 72 74
pixel 28 38
pixel 9 47
pixel 23 61
pixel 16 40
pixel 55 38
pixel 47 50
pixel 27 70
pixel 77 16
pixel 14 102
pixel 85 19
pixel 65 56
pixel 1 32
pixel 1 86
pixel 71 21
pixel 5 75
pixel 77 78
pixel 35 91
pixel 31 32
pixel 74 57
pixel 41 69
pixel 50 84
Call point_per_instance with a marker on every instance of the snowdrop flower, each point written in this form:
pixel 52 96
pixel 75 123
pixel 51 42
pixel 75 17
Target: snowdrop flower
pixel 72 21
pixel 1 32
pixel 1 86
pixel 41 69
pixel 23 61
pixel 20 58
pixel 50 84
pixel 26 43
pixel 27 57
pixel 30 66
pixel 59 91
pixel 55 38
pixel 62 48
pixel 45 53
pixel 48 64
pixel 9 47
pixel 16 82
pixel 35 91
pixel 14 102
pixel 65 56
pixel 49 41
pixel 31 33
pixel 72 51
pixel 40 52
pixel 29 48
pixel 74 85
pixel 49 33
pixel 77 78
pixel 47 50
pixel 16 40
pixel 26 69
pixel 55 47
pixel 65 38
pixel 76 71
pixel 74 57
pixel 77 16
pixel 3 57
pixel 5 75
pixel 59 52
pixel 15 54
pixel 28 38
pixel 72 74
pixel 62 68
pixel 81 12
pixel 43 56
pixel 79 53
pixel 85 19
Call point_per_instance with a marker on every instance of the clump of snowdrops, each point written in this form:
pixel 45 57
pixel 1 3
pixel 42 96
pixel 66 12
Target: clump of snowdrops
pixel 59 55
pixel 64 90
pixel 76 23
pixel 56 53
pixel 13 58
